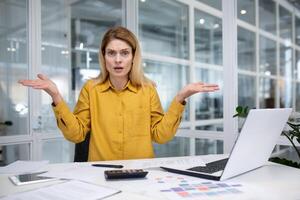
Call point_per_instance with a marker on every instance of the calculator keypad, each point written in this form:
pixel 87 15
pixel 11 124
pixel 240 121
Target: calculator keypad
pixel 125 173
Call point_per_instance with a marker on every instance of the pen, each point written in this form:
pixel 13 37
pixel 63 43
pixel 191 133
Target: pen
pixel 107 165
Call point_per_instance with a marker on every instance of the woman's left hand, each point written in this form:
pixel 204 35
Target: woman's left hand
pixel 194 88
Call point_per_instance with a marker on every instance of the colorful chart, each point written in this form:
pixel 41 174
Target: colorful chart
pixel 179 187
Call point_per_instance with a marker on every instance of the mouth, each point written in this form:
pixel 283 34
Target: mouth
pixel 118 69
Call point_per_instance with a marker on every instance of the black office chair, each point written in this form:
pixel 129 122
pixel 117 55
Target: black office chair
pixel 82 150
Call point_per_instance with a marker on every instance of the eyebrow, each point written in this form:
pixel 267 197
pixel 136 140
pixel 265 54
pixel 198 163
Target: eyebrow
pixel 120 50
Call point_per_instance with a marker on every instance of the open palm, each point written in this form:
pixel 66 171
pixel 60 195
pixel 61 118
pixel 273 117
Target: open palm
pixel 194 88
pixel 43 83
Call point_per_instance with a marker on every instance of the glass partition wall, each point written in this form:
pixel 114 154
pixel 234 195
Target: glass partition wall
pixel 179 47
pixel 268 45
pixel 182 44
pixel 70 33
pixel 14 111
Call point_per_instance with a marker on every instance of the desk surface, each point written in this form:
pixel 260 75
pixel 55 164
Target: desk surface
pixel 271 181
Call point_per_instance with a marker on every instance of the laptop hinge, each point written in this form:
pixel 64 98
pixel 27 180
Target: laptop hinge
pixel 205 176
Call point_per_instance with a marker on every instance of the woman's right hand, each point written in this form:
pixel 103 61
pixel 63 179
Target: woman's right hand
pixel 44 83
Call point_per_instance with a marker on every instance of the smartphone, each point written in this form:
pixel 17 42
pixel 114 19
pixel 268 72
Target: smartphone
pixel 24 179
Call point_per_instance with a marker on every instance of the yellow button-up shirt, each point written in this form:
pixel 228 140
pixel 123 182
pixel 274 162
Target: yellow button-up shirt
pixel 123 124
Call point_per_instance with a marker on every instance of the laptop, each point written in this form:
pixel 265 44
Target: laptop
pixel 251 150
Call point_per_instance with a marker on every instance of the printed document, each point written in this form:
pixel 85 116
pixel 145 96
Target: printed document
pixel 20 167
pixel 183 162
pixel 75 190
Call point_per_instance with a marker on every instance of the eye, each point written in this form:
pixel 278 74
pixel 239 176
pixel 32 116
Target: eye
pixel 111 53
pixel 124 53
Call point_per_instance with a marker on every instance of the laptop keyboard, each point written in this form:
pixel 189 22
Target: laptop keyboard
pixel 211 167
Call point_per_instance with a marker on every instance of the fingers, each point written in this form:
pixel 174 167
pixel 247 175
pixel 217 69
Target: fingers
pixel 42 76
pixel 203 87
pixel 210 87
pixel 194 88
pixel 31 83
pixel 39 87
pixel 21 81
pixel 27 82
pixel 37 84
pixel 207 84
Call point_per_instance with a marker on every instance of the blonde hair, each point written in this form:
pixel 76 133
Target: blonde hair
pixel 136 74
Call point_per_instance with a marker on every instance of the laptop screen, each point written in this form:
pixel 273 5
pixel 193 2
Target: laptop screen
pixel 256 141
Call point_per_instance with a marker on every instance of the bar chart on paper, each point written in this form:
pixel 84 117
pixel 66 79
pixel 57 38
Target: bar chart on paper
pixel 174 187
pixel 203 189
pixel 168 186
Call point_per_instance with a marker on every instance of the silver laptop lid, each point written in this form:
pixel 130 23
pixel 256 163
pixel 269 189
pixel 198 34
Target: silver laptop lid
pixel 256 141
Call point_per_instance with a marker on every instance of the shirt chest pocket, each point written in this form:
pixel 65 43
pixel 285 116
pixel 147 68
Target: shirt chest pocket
pixel 138 122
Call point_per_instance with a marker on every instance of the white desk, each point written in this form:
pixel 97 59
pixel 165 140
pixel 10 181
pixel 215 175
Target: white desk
pixel 272 181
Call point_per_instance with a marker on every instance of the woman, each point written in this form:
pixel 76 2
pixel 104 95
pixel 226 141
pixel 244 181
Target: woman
pixel 120 107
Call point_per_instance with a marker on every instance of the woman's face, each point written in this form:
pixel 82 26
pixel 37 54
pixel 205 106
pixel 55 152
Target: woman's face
pixel 118 59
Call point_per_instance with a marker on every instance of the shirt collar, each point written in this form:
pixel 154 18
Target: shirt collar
pixel 107 85
pixel 131 87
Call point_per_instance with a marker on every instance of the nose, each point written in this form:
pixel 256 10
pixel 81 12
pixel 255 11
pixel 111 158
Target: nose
pixel 118 58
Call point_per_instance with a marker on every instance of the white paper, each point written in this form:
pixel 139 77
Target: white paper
pixel 157 181
pixel 20 167
pixel 86 173
pixel 245 191
pixel 74 190
pixel 149 187
pixel 174 162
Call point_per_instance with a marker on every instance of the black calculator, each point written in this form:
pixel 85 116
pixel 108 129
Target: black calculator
pixel 125 173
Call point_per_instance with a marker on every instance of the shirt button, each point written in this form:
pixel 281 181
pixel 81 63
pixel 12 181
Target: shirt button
pixel 120 131
pixel 120 114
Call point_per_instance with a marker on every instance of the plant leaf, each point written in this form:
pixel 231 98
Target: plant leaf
pixel 239 109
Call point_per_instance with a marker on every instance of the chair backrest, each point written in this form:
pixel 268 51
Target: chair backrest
pixel 82 150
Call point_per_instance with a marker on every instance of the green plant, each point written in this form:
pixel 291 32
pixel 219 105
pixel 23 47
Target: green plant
pixel 241 111
pixel 291 134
